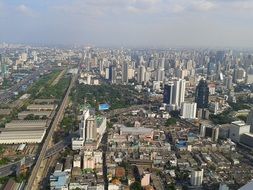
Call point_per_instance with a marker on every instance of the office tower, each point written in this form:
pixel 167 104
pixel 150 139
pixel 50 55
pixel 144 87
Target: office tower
pixel 202 93
pixel 125 72
pixel 250 120
pixel 112 74
pixel 91 129
pixel 215 133
pixel 229 82
pixel 168 93
pixel 212 132
pixel 107 75
pixel 82 125
pixel 197 177
pixel 236 129
pixel 175 97
pixel 202 131
pixel 101 66
pixel 178 92
pixel 239 75
pixel 161 63
pixel 141 60
pixel 181 92
pixel 212 68
pixel 250 75
pixel 189 110
pixel 160 74
pixel 141 74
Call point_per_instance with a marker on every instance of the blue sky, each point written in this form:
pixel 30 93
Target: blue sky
pixel 156 23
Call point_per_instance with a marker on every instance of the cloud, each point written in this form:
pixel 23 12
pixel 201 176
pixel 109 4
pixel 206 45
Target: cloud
pixel 203 5
pixel 24 10
pixel 243 5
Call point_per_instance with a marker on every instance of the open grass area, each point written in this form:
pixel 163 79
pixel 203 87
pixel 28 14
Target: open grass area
pixel 56 91
pixel 42 83
pixel 117 96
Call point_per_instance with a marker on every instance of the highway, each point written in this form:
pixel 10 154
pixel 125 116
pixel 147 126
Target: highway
pixel 112 113
pixel 14 167
pixel 58 147
pixel 7 95
pixel 57 119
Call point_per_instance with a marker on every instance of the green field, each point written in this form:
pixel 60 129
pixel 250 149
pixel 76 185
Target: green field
pixel 117 96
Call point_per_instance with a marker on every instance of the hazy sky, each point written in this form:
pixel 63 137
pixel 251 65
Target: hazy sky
pixel 164 23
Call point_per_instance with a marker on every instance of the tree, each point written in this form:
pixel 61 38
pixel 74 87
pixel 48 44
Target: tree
pixel 242 117
pixel 171 121
pixel 135 186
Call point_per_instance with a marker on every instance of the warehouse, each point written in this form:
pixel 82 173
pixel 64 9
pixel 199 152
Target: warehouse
pixel 26 124
pixel 40 114
pixel 39 107
pixel 20 136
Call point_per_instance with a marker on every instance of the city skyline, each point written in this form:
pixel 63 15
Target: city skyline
pixel 134 23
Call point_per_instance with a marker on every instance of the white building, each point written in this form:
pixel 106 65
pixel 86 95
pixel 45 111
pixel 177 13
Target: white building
pixel 189 110
pixel 178 92
pixel 141 74
pixel 145 180
pixel 92 159
pixel 77 161
pixel 91 129
pixel 237 128
pixel 77 143
pixel 197 177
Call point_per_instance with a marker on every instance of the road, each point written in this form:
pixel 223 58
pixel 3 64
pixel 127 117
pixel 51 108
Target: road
pixel 58 147
pixel 112 113
pixel 7 95
pixel 56 121
pixel 14 167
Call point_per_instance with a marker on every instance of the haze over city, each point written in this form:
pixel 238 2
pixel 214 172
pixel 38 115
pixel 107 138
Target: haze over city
pixel 135 23
pixel 126 95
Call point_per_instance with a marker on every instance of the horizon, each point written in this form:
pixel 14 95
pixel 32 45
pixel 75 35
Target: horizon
pixel 129 23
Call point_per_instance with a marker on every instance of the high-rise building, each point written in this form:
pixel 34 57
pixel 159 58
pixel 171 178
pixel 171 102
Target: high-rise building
pixel 160 74
pixel 82 125
pixel 178 92
pixel 181 91
pixel 250 120
pixel 125 72
pixel 91 129
pixel 229 82
pixel 197 177
pixel 141 74
pixel 202 94
pixel 168 93
pixel 236 129
pixel 189 110
pixel 210 131
pixel 112 74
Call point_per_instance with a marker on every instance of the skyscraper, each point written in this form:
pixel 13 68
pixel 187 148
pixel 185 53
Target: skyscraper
pixel 188 110
pixel 91 129
pixel 167 93
pixel 125 72
pixel 178 92
pixel 202 94
pixel 112 74
pixel 141 74
pixel 160 74
pixel 181 92
pixel 197 177
pixel 82 125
